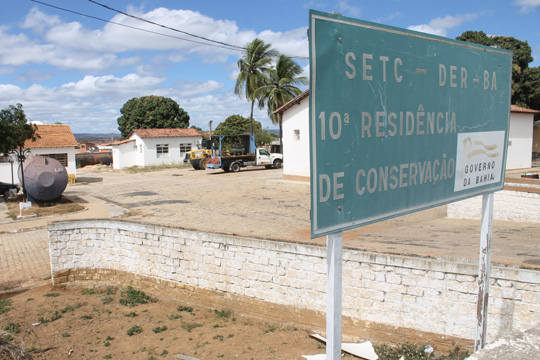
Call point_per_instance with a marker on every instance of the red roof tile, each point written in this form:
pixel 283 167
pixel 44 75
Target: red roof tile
pixel 52 136
pixel 118 142
pixel 151 133
pixel 519 109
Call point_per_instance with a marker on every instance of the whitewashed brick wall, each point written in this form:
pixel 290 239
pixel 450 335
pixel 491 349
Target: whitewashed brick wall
pixel 413 292
pixel 507 206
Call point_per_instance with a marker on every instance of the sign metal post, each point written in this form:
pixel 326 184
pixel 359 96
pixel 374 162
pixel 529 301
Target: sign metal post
pixel 334 290
pixel 483 271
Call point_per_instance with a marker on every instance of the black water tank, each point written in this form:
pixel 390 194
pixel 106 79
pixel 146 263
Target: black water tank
pixel 45 179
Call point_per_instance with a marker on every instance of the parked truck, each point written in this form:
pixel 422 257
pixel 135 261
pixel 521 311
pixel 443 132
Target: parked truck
pixel 238 151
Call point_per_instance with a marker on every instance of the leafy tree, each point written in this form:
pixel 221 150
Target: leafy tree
pixel 525 80
pixel 279 88
pixel 151 112
pixel 236 125
pixel 253 65
pixel 196 128
pixel 239 125
pixel 15 129
pixel 528 94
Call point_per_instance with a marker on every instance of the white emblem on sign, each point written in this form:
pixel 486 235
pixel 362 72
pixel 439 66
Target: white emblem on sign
pixel 479 159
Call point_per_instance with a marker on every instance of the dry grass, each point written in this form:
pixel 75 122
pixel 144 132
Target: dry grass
pixel 42 209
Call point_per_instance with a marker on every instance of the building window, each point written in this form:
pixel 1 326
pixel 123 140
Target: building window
pixel 162 150
pixel 184 148
pixel 297 134
pixel 140 149
pixel 61 158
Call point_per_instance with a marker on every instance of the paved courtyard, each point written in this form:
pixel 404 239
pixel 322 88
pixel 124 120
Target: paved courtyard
pixel 256 203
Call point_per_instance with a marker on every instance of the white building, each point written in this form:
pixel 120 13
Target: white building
pixel 54 141
pixel 296 138
pixel 520 138
pixel 150 147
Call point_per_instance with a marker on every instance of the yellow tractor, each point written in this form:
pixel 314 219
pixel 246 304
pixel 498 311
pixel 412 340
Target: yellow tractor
pixel 198 158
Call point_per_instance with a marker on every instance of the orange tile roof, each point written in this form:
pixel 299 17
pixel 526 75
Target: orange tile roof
pixel 519 109
pixel 118 142
pixel 150 133
pixel 52 136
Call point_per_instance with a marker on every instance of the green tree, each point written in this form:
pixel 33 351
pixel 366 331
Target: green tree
pixel 15 129
pixel 236 125
pixel 524 79
pixel 253 66
pixel 528 93
pixel 239 125
pixel 151 112
pixel 279 88
pixel 196 128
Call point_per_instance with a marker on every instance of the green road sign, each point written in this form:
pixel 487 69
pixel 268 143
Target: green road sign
pixel 401 121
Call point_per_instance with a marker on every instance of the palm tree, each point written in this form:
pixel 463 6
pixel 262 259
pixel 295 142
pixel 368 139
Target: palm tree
pixel 253 66
pixel 279 88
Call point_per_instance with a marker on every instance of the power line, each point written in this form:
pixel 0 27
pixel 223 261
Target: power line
pixel 207 41
pixel 133 27
pixel 177 30
pixel 165 26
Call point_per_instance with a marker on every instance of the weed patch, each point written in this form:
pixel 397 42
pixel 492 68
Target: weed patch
pixel 134 330
pixel 224 314
pixel 190 326
pixel 159 329
pixel 52 294
pixel 13 328
pixel 413 352
pixel 131 297
pixel 5 306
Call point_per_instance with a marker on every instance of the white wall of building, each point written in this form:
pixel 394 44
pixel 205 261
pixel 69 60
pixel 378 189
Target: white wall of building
pixel 5 168
pixel 124 155
pixel 147 149
pixel 296 141
pixel 520 141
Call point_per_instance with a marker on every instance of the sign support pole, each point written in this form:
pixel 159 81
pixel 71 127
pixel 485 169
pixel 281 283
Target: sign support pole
pixel 483 271
pixel 334 289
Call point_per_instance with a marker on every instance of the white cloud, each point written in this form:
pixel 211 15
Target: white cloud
pixel 527 5
pixel 19 50
pixel 39 21
pixel 441 25
pixel 347 9
pixel 93 103
pixel 196 88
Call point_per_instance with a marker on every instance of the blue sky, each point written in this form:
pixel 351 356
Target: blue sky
pixel 79 71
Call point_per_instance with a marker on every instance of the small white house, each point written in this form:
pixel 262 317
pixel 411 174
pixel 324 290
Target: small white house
pixel 55 141
pixel 150 147
pixel 520 138
pixel 296 138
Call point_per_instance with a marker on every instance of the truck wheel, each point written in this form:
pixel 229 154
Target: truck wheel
pixel 195 166
pixel 6 195
pixel 202 163
pixel 277 163
pixel 235 167
pixel 226 169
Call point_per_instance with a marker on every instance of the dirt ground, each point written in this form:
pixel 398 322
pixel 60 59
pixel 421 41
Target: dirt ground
pixel 55 323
